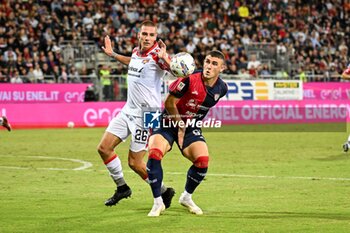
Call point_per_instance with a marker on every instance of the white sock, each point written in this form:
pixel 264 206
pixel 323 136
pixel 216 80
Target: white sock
pixel 187 195
pixel 349 138
pixel 158 201
pixel 116 171
pixel 1 120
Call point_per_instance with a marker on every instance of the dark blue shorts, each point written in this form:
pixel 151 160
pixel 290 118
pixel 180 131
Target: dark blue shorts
pixel 170 134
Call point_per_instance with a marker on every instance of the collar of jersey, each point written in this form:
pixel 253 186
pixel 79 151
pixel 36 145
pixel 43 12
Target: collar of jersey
pixel 144 54
pixel 202 78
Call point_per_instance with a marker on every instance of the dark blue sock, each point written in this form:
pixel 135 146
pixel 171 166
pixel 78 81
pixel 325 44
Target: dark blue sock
pixel 195 175
pixel 155 176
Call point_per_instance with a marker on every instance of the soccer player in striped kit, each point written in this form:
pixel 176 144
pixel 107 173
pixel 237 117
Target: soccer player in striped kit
pixel 190 98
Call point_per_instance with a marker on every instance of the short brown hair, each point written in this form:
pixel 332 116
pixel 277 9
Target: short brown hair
pixel 217 53
pixel 148 23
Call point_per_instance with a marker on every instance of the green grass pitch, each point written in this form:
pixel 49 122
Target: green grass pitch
pixel 256 182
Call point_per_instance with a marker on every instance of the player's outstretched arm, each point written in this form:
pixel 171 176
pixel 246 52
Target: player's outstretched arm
pixel 162 53
pixel 107 49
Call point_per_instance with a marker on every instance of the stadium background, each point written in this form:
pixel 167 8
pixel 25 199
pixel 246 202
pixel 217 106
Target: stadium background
pixel 48 47
pixel 288 38
pixel 55 42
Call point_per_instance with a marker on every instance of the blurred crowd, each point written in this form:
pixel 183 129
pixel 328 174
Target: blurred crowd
pixel 312 34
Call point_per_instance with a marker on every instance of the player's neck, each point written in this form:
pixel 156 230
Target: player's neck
pixel 144 50
pixel 210 82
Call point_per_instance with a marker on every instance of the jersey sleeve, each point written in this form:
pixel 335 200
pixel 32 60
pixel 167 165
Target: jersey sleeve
pixel 179 87
pixel 224 89
pixel 163 65
pixel 160 62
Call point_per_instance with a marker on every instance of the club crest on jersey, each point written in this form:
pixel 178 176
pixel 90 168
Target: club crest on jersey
pixel 180 86
pixel 216 97
pixel 145 61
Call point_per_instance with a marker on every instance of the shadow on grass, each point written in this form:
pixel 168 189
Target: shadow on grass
pixel 182 211
pixel 340 156
pixel 277 215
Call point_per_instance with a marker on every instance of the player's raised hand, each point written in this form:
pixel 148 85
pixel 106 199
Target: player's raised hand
pixel 162 53
pixel 108 46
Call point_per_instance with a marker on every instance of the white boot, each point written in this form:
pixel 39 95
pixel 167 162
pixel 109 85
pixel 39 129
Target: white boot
pixel 157 208
pixel 186 200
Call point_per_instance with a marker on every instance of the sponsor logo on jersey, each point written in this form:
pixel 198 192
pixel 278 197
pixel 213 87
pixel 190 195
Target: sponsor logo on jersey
pixel 192 103
pixel 134 69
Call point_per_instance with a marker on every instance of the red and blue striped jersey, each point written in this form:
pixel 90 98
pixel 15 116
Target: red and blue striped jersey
pixel 195 97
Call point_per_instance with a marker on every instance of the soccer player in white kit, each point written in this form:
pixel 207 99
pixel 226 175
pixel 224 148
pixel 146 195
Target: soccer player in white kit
pixel 146 67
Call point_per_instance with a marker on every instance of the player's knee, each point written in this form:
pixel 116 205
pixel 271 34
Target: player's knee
pixel 134 164
pixel 155 153
pixel 201 162
pixel 131 164
pixel 102 150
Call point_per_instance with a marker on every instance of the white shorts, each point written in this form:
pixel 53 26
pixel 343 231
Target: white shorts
pixel 123 125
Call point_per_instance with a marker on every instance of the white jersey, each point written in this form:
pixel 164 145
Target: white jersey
pixel 145 75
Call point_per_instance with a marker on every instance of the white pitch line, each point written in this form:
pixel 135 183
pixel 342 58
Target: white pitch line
pixel 18 168
pixel 88 165
pixel 267 177
pixel 256 176
pixel 84 166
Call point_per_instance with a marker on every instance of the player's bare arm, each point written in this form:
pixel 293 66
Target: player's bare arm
pixel 107 49
pixel 162 53
pixel 170 106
